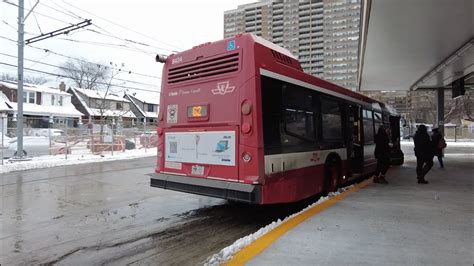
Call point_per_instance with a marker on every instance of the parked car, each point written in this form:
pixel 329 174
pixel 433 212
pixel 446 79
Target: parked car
pixel 129 145
pixel 34 146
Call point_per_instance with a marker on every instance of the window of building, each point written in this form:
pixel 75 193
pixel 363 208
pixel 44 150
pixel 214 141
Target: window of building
pixel 29 97
pixel 60 102
pixel 150 108
pixel 119 106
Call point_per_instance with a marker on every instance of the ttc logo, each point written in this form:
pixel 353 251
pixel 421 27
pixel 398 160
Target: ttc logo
pixel 223 88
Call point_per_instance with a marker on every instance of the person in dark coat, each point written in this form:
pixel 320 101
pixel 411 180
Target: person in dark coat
pixel 438 151
pixel 382 154
pixel 424 153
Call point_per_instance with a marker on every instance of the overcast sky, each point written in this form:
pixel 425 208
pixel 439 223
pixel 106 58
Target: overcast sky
pixel 160 27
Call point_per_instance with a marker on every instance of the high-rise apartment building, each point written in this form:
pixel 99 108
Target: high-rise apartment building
pixel 323 34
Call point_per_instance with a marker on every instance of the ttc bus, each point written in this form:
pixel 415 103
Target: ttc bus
pixel 240 120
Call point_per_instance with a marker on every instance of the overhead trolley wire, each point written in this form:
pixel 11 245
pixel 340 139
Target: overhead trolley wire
pixel 79 59
pixel 61 67
pixel 124 27
pixel 64 76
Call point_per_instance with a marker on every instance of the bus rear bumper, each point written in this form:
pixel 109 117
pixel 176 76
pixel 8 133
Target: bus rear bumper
pixel 208 187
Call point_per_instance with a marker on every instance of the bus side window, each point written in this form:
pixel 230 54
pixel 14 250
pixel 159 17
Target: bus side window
pixel 331 120
pixel 368 126
pixel 298 124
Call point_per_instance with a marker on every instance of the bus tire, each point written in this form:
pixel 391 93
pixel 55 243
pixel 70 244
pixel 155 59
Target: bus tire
pixel 332 173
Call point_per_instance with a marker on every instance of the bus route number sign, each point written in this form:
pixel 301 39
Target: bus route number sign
pixel 197 111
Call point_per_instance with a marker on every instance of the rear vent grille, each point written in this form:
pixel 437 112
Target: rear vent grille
pixel 205 68
pixel 282 58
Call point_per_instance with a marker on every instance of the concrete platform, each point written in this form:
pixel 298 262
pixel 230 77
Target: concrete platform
pixel 403 223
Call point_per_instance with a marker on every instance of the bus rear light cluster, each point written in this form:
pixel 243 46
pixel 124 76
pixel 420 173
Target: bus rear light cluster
pixel 160 131
pixel 246 128
pixel 246 157
pixel 160 116
pixel 246 108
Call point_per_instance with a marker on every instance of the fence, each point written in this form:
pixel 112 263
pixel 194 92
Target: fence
pixel 451 133
pixel 459 133
pixel 71 139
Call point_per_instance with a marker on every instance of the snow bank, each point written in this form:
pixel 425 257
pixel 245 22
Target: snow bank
pixel 59 160
pixel 227 253
pixel 450 143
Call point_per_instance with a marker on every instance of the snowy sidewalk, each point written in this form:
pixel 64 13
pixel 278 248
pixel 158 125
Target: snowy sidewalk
pixel 59 160
pixel 402 223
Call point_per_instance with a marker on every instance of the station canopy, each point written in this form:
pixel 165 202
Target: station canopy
pixel 412 44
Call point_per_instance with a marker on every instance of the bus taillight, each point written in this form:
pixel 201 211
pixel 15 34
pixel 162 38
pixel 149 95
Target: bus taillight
pixel 246 128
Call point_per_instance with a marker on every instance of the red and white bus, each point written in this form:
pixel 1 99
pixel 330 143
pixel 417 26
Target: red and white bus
pixel 240 120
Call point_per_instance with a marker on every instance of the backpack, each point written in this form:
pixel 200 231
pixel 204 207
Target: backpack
pixel 442 143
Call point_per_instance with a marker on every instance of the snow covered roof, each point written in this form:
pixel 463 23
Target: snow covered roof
pixel 4 107
pixel 47 110
pixel 133 100
pixel 149 98
pixel 32 87
pixel 96 111
pixel 40 110
pixel 151 114
pixel 101 95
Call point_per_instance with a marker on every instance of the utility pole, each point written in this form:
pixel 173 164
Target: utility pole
pixel 21 43
pixel 21 46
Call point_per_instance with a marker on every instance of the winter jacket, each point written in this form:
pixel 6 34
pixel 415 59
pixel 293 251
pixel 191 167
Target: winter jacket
pixel 435 142
pixel 382 148
pixel 423 145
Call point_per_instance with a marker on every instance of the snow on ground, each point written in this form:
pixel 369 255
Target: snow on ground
pixel 450 143
pixel 59 160
pixel 227 253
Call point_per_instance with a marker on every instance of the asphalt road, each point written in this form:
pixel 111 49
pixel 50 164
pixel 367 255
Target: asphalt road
pixel 106 213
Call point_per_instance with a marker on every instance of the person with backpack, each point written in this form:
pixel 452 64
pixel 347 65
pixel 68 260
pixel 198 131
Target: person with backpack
pixel 382 154
pixel 439 144
pixel 424 153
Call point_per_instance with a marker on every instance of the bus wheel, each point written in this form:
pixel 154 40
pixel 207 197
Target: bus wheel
pixel 332 174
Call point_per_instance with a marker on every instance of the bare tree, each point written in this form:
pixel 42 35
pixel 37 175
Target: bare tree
pixel 98 77
pixel 104 104
pixel 461 108
pixel 37 80
pixel 86 75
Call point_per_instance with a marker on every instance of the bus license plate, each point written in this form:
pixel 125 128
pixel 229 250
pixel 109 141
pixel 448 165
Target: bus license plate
pixel 197 170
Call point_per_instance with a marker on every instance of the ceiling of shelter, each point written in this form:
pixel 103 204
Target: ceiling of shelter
pixel 413 44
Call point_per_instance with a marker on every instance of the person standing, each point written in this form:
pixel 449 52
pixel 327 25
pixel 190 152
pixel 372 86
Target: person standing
pixel 382 154
pixel 438 144
pixel 424 153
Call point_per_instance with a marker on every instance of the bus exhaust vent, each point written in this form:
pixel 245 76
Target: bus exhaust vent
pixel 282 58
pixel 204 68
